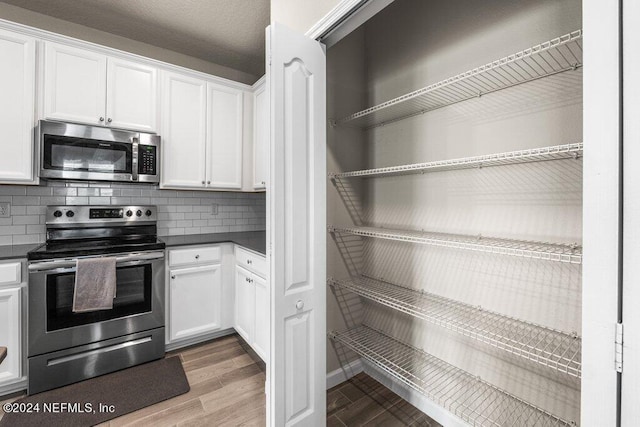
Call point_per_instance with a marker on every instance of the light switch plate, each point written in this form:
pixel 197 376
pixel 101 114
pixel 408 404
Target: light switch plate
pixel 5 209
pixel 214 209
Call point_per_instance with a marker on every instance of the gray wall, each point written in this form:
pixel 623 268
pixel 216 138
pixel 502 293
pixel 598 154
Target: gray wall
pixel 414 43
pixel 180 212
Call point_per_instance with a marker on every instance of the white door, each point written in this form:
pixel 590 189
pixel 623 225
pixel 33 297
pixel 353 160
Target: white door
pixel 131 95
pixel 297 229
pixel 184 112
pixel 75 84
pixel 630 410
pixel 244 307
pixel 195 295
pixel 224 137
pixel 260 342
pixel 10 334
pixel 260 138
pixel 17 85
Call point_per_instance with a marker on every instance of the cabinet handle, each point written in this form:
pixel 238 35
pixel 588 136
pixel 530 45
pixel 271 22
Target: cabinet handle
pixel 202 182
pixel 208 182
pixel 246 279
pixel 197 256
pixel 248 261
pixel 102 119
pixel 173 276
pixel 109 120
pixel 299 304
pixel 263 183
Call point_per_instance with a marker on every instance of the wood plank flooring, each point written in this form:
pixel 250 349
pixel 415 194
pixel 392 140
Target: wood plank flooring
pixel 227 389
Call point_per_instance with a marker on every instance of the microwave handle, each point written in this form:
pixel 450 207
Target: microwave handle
pixel 68 263
pixel 134 161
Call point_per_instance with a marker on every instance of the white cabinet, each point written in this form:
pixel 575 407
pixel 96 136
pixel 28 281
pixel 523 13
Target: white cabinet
pixel 202 130
pixel 88 87
pixel 260 137
pixel 17 101
pixel 184 106
pixel 252 301
pixel 11 323
pixel 195 293
pixel 195 296
pixel 224 137
pixel 245 304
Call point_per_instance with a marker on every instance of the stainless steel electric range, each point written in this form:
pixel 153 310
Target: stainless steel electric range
pixel 65 346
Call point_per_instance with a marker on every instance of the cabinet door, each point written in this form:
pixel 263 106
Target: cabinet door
pixel 10 334
pixel 194 301
pixel 131 95
pixel 245 304
pixel 261 333
pixel 224 137
pixel 260 138
pixel 17 82
pixel 184 105
pixel 75 84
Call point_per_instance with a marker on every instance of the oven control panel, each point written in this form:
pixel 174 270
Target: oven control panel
pixel 96 215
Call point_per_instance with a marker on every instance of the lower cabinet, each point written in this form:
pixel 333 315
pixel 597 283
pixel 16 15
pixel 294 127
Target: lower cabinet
pixel 195 295
pixel 252 301
pixel 11 325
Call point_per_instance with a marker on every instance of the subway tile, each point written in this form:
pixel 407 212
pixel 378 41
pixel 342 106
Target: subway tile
pixel 121 200
pixel 159 200
pixel 34 229
pixel 184 223
pixel 6 230
pixel 27 239
pixel 77 201
pixel 78 184
pixel 52 200
pixel 141 200
pixel 163 231
pixel 99 200
pixel 229 221
pixel 222 229
pixel 12 190
pixel 192 230
pixel 130 192
pixel 200 223
pixel 176 231
pixel 7 221
pixel 206 230
pixel 88 192
pixel 26 219
pixel 26 200
pixel 167 224
pixel 55 184
pixel 167 208
pixel 192 215
pixel 185 208
pixel 64 191
pixel 37 210
pixel 39 191
pixel 18 210
pixel 106 192
pixel 6 240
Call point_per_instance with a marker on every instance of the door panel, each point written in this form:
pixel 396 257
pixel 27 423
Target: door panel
pixel 11 333
pixel 17 86
pixel 224 137
pixel 296 215
pixel 184 106
pixel 75 84
pixel 131 95
pixel 244 307
pixel 260 138
pixel 261 333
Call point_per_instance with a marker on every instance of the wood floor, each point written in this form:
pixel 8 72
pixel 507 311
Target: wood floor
pixel 227 389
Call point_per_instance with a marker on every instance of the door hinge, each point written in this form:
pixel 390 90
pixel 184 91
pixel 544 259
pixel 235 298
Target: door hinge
pixel 619 342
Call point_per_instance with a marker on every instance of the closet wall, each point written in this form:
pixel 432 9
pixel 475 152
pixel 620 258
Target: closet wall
pixel 409 45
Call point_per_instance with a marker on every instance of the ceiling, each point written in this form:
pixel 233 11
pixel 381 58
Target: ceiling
pixel 225 32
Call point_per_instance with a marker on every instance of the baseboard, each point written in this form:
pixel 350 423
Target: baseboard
pixel 197 340
pixel 19 386
pixel 344 373
pixel 420 401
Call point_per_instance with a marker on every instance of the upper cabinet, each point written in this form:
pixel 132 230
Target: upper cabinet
pixel 17 102
pixel 87 87
pixel 202 130
pixel 260 137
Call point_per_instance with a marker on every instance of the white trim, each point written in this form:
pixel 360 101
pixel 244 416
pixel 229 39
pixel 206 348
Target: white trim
pixel 344 373
pixel 48 36
pixel 261 81
pixel 14 387
pixel 420 401
pixel 334 16
pixel 197 340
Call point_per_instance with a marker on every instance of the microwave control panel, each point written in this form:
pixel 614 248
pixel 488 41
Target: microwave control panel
pixel 147 160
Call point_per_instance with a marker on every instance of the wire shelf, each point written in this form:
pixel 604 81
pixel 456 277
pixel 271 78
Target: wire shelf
pixel 559 252
pixel 470 398
pixel 549 347
pixel 552 57
pixel 557 152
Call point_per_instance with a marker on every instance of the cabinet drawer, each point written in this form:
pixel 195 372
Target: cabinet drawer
pixel 10 273
pixel 195 256
pixel 251 261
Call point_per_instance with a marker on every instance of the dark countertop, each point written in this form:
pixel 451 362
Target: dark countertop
pixel 254 240
pixel 16 251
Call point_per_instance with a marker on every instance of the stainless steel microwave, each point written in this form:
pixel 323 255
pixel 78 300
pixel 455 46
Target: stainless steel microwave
pixel 97 153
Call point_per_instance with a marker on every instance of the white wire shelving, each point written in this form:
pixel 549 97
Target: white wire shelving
pixel 558 252
pixel 546 59
pixel 555 349
pixel 556 152
pixel 469 397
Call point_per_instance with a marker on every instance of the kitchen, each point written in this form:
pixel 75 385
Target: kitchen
pixel 284 244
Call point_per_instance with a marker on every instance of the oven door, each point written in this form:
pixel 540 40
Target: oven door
pixel 138 305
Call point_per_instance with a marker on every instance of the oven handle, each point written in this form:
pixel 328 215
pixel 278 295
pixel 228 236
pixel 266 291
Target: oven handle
pixel 69 263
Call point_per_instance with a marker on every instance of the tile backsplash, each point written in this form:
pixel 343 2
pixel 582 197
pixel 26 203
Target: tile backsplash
pixel 179 212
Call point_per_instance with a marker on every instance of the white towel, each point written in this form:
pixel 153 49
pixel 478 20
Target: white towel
pixel 95 286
